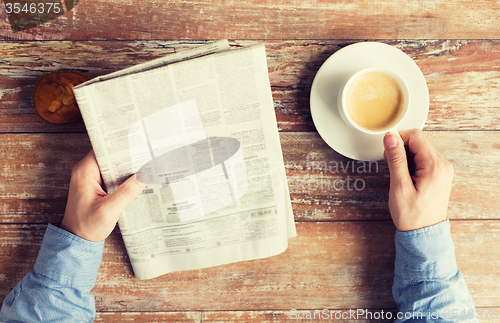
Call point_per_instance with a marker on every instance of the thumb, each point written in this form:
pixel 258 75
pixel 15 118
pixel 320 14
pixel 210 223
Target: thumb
pixel 395 154
pixel 125 194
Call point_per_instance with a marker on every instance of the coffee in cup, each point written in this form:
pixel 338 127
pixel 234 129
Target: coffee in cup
pixel 374 100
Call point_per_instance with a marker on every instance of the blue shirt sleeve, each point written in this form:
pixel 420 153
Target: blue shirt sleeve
pixel 427 283
pixel 58 288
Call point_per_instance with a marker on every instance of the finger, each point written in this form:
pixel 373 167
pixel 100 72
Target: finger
pixel 395 154
pixel 88 165
pixel 89 159
pixel 418 144
pixel 125 194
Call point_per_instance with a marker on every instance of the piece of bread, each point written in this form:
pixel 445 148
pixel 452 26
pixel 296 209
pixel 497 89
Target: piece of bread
pixel 54 99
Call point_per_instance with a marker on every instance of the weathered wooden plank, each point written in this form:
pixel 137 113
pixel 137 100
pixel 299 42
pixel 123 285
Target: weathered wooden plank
pixel 333 265
pixel 324 186
pixel 321 315
pixel 318 177
pixel 34 175
pixel 314 270
pixel 239 316
pixel 258 19
pixel 23 63
pixel 312 315
pixel 148 317
pixel 462 76
pixel 236 316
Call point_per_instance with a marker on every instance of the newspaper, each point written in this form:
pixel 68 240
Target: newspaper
pixel 201 125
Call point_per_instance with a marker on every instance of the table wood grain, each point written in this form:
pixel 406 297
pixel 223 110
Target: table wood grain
pixel 330 264
pixel 260 19
pixel 343 256
pixel 462 76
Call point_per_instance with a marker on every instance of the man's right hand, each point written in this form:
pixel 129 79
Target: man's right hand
pixel 420 199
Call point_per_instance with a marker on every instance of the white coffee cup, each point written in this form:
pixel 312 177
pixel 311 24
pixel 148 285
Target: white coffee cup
pixel 396 87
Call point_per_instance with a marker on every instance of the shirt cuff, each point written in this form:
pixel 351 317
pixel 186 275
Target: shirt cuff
pixel 69 259
pixel 425 254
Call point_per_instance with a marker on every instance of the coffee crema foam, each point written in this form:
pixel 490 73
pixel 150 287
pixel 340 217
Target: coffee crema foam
pixel 375 100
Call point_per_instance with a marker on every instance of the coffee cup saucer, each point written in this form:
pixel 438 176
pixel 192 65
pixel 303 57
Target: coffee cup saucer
pixel 336 70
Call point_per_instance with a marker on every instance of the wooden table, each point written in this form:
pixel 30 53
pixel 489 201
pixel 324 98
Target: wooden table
pixel 343 255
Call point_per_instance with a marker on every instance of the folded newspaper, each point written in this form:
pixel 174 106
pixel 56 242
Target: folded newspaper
pixel 200 124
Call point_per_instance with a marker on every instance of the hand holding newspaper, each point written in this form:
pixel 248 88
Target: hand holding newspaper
pixel 201 125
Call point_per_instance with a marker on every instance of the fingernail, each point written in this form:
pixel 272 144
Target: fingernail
pixel 390 141
pixel 142 178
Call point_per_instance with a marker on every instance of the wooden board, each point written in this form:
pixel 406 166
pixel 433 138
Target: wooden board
pixel 325 315
pixel 258 19
pixel 322 315
pixel 148 317
pixel 318 177
pixel 462 77
pixel 324 186
pixel 34 175
pixel 333 265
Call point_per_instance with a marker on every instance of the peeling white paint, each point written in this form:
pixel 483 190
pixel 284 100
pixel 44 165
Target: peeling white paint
pixel 75 12
pixel 195 316
pixel 3 91
pixel 449 45
pixel 433 75
pixel 21 196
